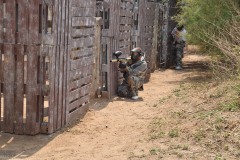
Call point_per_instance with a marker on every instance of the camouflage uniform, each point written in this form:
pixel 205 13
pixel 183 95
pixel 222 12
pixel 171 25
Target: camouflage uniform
pixel 133 79
pixel 179 54
pixel 179 42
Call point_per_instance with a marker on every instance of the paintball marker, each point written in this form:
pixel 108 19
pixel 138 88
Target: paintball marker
pixel 117 54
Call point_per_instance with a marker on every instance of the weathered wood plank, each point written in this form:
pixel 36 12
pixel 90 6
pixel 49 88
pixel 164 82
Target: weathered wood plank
pixel 149 29
pixel 1 21
pixel 22 22
pixel 123 13
pixel 84 72
pixel 78 83
pixel 150 14
pixel 34 23
pixel 1 81
pixel 83 3
pixel 125 28
pixel 125 49
pixel 82 42
pixel 79 113
pixel 32 108
pixel 19 89
pixel 10 22
pixel 56 83
pixel 76 104
pixel 49 23
pixel 83 21
pixel 82 32
pixel 126 6
pixel 55 25
pixel 128 1
pixel 124 35
pixel 126 20
pixel 66 63
pixel 79 63
pixel 83 52
pixel 52 77
pixel 61 21
pixel 124 43
pixel 8 87
pixel 82 12
pixel 42 83
pixel 148 42
pixel 60 92
pixel 150 5
pixel 76 94
pixel 149 35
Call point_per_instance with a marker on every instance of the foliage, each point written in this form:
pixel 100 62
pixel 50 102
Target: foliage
pixel 204 17
pixel 215 26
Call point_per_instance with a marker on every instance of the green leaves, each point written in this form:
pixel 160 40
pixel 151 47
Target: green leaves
pixel 203 17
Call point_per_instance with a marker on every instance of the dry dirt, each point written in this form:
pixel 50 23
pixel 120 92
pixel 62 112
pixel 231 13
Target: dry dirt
pixel 172 120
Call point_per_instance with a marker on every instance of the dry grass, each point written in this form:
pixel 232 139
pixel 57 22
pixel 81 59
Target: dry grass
pixel 204 122
pixel 228 41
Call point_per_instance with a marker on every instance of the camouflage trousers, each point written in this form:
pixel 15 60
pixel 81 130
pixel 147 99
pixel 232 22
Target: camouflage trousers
pixel 129 87
pixel 179 54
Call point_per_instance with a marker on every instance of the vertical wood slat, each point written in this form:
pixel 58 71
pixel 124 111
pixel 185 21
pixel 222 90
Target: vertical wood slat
pixel 41 84
pixel 34 23
pixel 60 91
pixel 57 65
pixel 1 80
pixel 58 22
pixel 52 105
pixel 9 76
pixel 22 22
pixel 1 21
pixel 65 86
pixel 10 22
pixel 49 38
pixel 32 124
pixel 56 83
pixel 55 23
pixel 61 107
pixel 69 22
pixel 19 80
pixel 68 63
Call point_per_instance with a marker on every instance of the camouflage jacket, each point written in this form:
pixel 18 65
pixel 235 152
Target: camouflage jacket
pixel 179 36
pixel 138 69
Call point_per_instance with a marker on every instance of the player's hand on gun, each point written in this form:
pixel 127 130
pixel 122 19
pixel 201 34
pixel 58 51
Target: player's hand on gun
pixel 122 65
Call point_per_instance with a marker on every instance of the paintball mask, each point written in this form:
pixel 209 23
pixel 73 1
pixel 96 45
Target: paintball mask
pixel 136 53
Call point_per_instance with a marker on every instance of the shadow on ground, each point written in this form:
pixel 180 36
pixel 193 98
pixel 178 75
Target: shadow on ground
pixel 22 146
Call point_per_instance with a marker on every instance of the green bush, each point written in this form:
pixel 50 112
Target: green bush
pixel 215 26
pixel 205 18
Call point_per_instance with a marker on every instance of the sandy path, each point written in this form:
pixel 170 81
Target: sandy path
pixel 111 130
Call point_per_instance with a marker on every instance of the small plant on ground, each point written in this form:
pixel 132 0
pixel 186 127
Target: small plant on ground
pixel 230 106
pixel 185 147
pixel 156 130
pixel 173 133
pixel 199 135
pixel 154 151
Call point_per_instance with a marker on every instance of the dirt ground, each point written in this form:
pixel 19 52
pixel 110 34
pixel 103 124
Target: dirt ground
pixel 170 121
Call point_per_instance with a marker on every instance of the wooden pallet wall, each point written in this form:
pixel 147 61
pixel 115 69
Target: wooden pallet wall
pixel 46 54
pixel 130 25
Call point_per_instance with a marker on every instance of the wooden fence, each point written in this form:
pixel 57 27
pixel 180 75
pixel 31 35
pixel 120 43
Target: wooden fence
pixel 49 53
pixel 125 24
pixel 165 26
pixel 46 57
pixel 144 26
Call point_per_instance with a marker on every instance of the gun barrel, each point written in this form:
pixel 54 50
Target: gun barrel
pixel 114 60
pixel 121 59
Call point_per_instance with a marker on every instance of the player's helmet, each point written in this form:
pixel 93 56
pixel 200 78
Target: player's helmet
pixel 138 50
